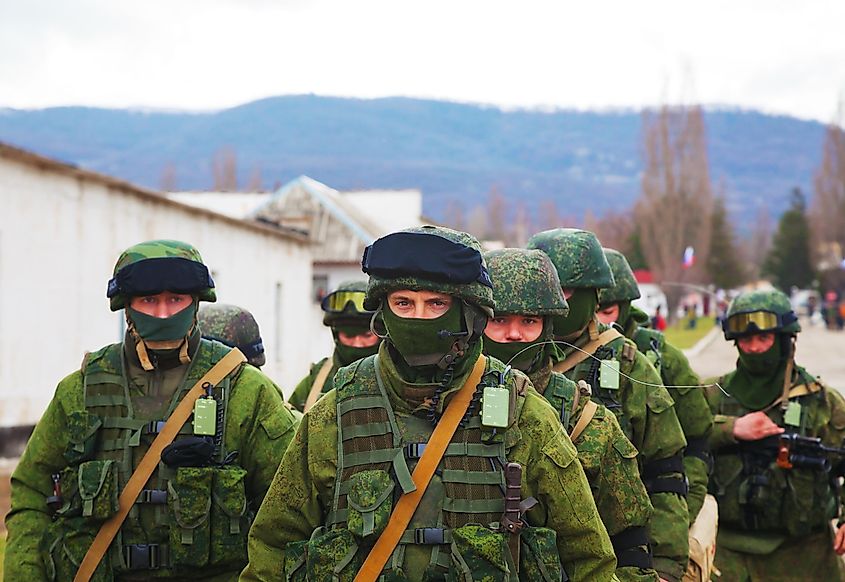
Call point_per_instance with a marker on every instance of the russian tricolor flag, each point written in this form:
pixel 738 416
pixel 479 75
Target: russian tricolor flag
pixel 689 257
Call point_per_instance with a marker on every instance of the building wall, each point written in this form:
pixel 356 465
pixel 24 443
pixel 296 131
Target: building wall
pixel 60 235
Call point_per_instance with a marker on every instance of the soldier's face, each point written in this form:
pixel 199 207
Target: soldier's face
pixel 609 314
pixel 757 343
pixel 362 340
pixel 418 304
pixel 514 328
pixel 161 305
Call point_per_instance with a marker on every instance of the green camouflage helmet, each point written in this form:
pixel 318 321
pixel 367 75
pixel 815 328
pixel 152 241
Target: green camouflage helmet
pixel 234 326
pixel 154 266
pixel 577 255
pixel 465 248
pixel 760 311
pixel 625 286
pixel 525 282
pixel 345 305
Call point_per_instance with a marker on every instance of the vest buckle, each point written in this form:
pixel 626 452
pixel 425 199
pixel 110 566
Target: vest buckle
pixel 429 536
pixel 414 450
pixel 143 556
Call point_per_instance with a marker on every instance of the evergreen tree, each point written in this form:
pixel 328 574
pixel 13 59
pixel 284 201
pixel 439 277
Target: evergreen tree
pixel 724 264
pixel 788 262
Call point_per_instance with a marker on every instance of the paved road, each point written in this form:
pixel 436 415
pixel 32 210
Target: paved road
pixel 820 351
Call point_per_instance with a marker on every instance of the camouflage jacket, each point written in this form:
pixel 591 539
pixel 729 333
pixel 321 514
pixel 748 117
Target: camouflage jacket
pixel 690 406
pixel 761 505
pixel 610 463
pixel 646 414
pixel 303 490
pixel 257 426
pixel 300 394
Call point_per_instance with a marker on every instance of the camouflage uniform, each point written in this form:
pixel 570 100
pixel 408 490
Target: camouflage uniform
pixel 680 380
pixel 636 396
pixel 348 317
pixel 190 522
pixel 326 502
pixel 526 283
pixel 774 523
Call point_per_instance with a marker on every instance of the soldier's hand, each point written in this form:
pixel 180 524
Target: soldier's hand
pixel 839 541
pixel 755 426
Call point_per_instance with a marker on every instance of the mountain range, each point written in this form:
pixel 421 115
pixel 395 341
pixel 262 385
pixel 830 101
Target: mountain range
pixel 451 151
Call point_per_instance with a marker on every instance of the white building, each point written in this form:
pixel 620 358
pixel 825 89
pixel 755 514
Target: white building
pixel 339 225
pixel 61 230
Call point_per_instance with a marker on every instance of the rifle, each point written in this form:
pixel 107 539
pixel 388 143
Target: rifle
pixel 793 451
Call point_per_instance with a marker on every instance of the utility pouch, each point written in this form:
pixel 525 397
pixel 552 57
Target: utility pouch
pixel 71 501
pixel 808 504
pixel 539 558
pixel 97 482
pixel 65 543
pixel 479 553
pixel 370 503
pixel 189 503
pixel 229 519
pixel 82 433
pixel 294 561
pixel 331 555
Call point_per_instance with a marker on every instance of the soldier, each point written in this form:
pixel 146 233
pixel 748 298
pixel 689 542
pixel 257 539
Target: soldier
pixel 353 339
pixel 235 327
pixel 527 293
pixel 194 502
pixel 678 377
pixel 775 507
pixel 334 511
pixel 627 384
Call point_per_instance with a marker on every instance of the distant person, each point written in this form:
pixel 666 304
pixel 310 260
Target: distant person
pixel 775 503
pixel 344 313
pixel 658 322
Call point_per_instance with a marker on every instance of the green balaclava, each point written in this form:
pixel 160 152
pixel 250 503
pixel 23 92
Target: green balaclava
pixel 346 355
pixel 424 342
pixel 528 360
pixel 582 309
pixel 759 377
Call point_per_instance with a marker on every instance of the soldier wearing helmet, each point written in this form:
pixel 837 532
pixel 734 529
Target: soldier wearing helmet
pixel 775 503
pixel 680 380
pixel 192 516
pixel 349 320
pixel 236 327
pixel 336 494
pixel 527 292
pixel 625 382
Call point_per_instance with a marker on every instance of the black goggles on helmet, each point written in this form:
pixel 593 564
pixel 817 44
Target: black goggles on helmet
pixel 414 254
pixel 152 276
pixel 252 350
pixel 338 302
pixel 756 321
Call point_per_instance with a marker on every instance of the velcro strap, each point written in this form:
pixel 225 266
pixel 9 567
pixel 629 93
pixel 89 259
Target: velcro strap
pixel 657 467
pixel 677 485
pixel 698 447
pixel 153 496
pixel 146 556
pixel 632 548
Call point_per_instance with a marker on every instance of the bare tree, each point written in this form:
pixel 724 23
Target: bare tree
pixel 674 210
pixel 455 216
pixel 255 182
pixel 550 216
pixel 614 229
pixel 827 213
pixel 224 169
pixel 758 245
pixel 167 181
pixel 497 226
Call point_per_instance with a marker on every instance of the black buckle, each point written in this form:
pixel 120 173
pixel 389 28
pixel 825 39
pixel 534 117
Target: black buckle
pixel 414 450
pixel 429 535
pixel 154 426
pixel 142 556
pixel 153 496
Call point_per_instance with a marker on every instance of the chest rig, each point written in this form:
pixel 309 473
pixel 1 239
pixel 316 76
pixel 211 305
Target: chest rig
pixel 188 517
pixel 754 493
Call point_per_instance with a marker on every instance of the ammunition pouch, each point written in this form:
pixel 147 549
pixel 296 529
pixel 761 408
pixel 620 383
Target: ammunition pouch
pixel 328 555
pixel 65 544
pixel 370 503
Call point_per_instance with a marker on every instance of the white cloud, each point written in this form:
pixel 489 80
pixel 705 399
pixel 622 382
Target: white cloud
pixel 778 55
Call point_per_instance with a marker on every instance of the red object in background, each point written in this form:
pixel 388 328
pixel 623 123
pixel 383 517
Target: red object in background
pixel 643 276
pixel 659 322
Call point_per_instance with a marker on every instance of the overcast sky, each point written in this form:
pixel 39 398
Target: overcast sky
pixel 780 56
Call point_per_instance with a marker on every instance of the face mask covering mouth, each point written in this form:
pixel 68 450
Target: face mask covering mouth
pixel 161 333
pixel 425 342
pixel 582 309
pixel 509 352
pixel 348 354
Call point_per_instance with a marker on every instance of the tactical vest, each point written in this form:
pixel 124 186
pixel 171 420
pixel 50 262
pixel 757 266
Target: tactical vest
pixel 459 515
pixel 190 519
pixel 754 494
